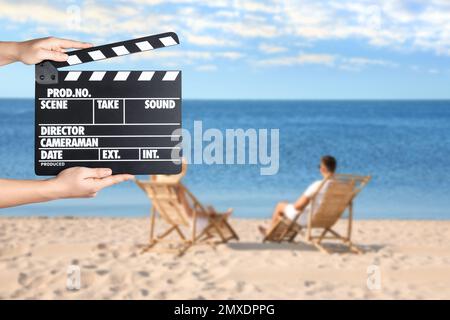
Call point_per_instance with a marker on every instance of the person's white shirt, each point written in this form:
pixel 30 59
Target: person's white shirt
pixel 290 210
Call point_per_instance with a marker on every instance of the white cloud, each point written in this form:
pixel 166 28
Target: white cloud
pixel 231 55
pixel 188 56
pixel 359 63
pixel 269 48
pixel 256 6
pixel 329 60
pixel 227 14
pixel 245 28
pixel 181 55
pixel 391 23
pixel 300 59
pixel 206 68
pixel 203 40
pixel 90 18
pixel 21 12
pixel 425 70
pixel 248 28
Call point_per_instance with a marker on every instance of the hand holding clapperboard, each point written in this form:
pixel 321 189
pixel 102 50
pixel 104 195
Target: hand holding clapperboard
pixel 128 121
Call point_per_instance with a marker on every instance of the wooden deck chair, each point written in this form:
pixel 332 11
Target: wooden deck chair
pixel 339 195
pixel 179 209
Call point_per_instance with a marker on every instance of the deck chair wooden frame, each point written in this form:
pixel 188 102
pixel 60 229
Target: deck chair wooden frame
pixel 331 209
pixel 172 201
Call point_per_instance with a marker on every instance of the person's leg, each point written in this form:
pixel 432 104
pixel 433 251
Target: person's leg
pixel 277 213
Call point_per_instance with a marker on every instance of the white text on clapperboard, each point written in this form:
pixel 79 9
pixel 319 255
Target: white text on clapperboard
pixel 55 138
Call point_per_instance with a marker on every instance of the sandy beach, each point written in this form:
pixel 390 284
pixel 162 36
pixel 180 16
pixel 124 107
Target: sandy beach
pixel 412 257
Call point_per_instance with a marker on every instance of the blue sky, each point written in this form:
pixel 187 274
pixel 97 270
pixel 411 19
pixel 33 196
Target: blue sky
pixel 273 49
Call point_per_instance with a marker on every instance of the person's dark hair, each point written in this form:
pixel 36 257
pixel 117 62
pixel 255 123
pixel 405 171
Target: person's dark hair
pixel 329 162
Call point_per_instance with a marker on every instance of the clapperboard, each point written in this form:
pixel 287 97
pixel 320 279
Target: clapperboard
pixel 128 121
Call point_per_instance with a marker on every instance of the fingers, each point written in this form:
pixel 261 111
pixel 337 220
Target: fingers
pixel 66 44
pixel 53 55
pixel 115 179
pixel 54 50
pixel 82 182
pixel 98 173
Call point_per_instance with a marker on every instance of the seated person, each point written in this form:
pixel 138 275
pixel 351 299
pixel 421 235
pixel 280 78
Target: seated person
pixel 327 168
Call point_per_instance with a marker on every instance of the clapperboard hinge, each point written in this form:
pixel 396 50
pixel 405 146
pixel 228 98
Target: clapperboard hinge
pixel 46 73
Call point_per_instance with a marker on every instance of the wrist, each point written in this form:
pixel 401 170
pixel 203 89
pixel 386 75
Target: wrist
pixel 20 48
pixel 50 190
pixel 11 51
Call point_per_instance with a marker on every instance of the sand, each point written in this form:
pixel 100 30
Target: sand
pixel 411 260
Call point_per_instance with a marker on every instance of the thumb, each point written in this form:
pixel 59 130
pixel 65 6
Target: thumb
pixel 55 56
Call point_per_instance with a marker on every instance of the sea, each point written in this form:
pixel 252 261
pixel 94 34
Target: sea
pixel 403 145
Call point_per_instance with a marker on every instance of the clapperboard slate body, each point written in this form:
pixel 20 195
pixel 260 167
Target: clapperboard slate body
pixel 123 120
